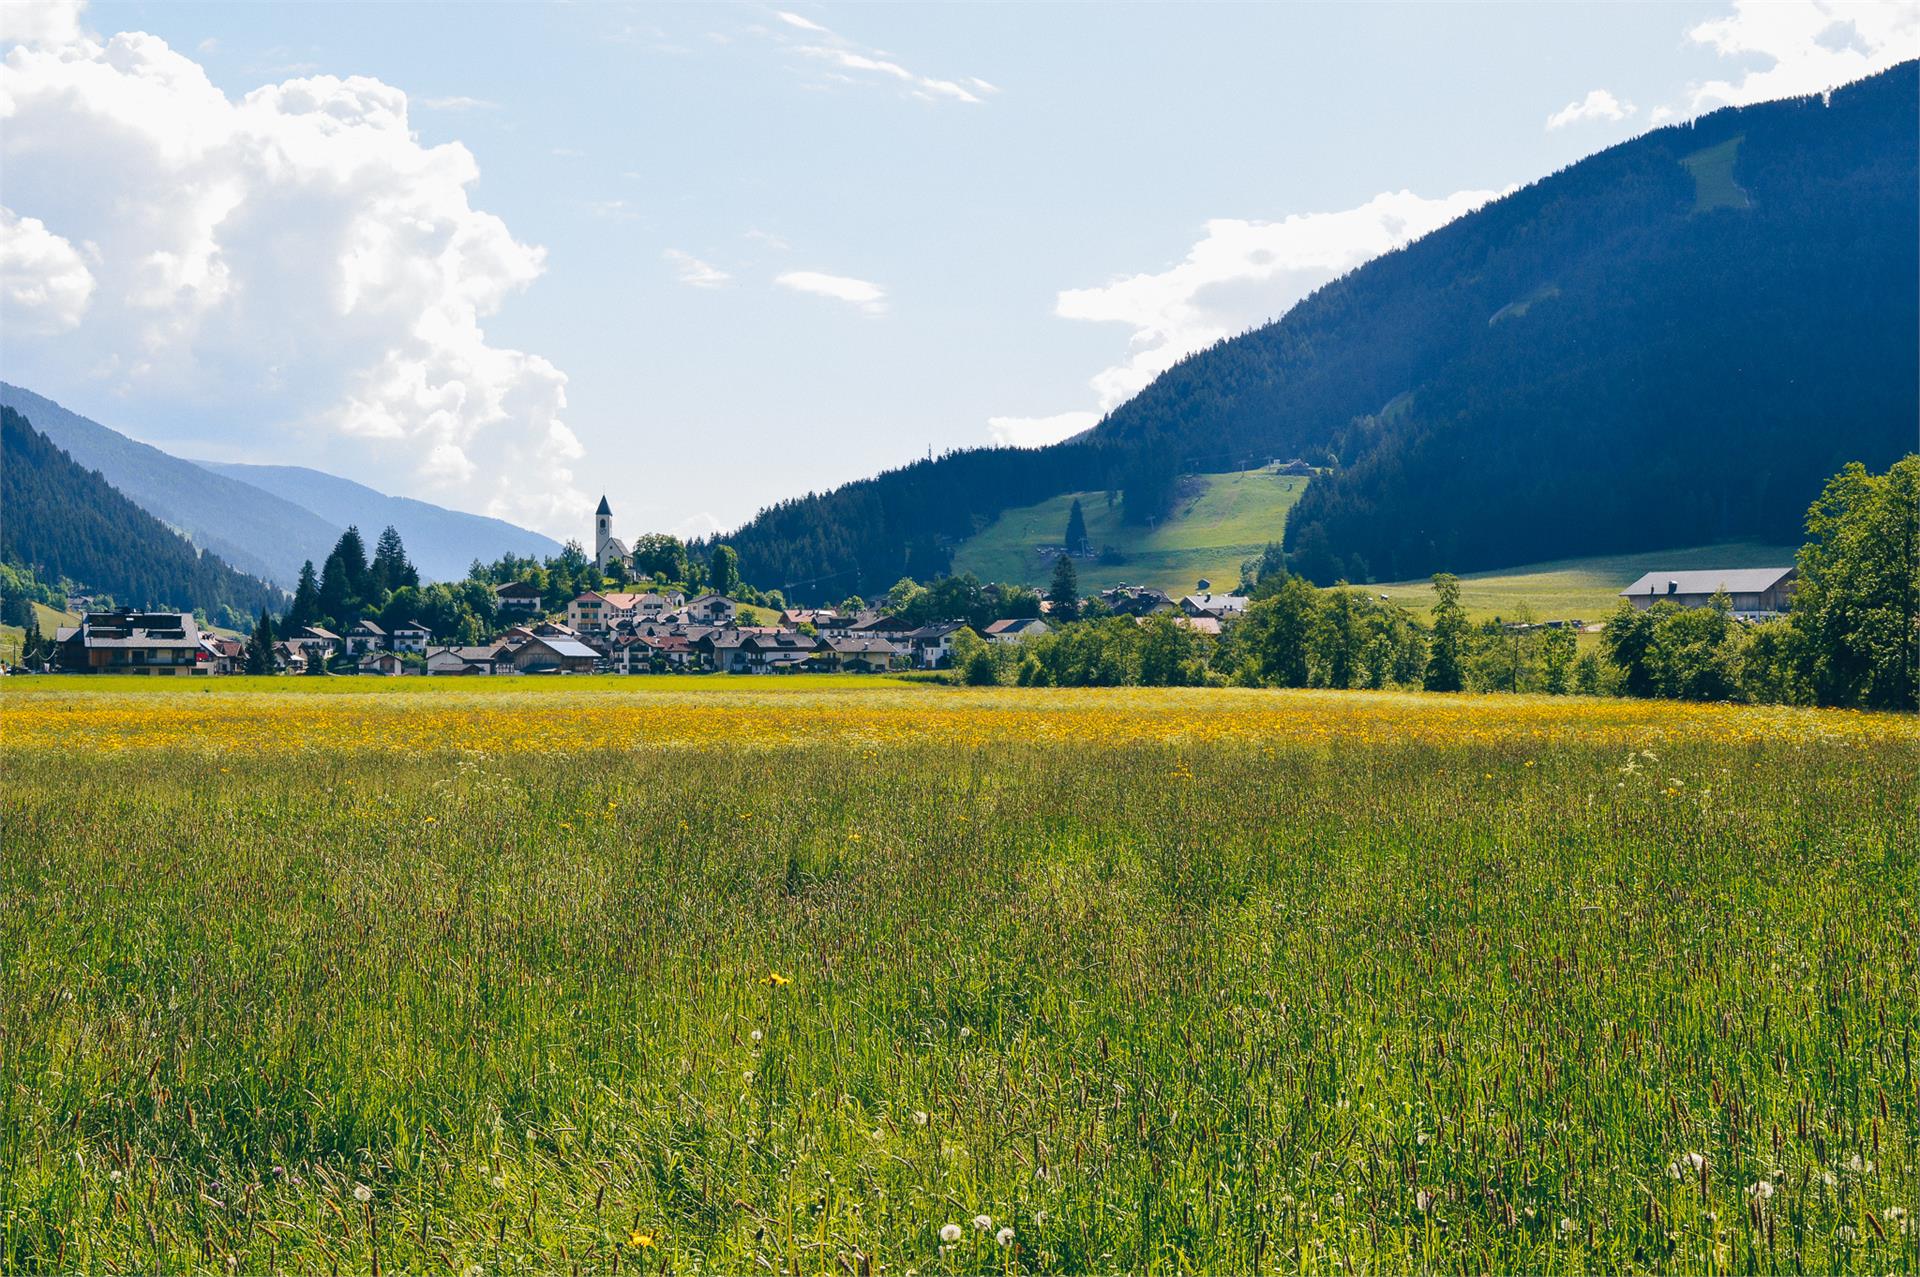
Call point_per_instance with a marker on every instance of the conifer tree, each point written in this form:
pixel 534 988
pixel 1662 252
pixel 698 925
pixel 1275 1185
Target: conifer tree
pixel 1076 529
pixel 305 610
pixel 1064 593
pixel 260 646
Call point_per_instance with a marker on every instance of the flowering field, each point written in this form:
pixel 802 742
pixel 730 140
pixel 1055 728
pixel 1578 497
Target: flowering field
pixel 871 977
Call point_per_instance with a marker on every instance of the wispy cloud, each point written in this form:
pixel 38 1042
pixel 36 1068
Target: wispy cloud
pixel 776 242
pixel 868 297
pixel 693 272
pixel 795 20
pixel 1597 105
pixel 457 103
pixel 847 61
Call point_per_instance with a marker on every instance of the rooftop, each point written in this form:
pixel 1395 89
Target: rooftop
pixel 1708 581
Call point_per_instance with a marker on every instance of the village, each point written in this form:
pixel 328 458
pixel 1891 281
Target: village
pixel 601 633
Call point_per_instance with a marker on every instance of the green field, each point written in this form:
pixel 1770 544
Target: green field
pixel 49 621
pixel 788 976
pixel 1583 589
pixel 1221 522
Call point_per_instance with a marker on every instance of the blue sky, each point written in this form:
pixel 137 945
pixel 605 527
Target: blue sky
pixel 509 256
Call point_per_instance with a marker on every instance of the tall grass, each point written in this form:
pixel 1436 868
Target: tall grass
pixel 1151 1005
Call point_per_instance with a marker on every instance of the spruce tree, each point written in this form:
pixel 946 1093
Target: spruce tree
pixel 1064 593
pixel 260 646
pixel 337 600
pixel 353 556
pixel 306 600
pixel 390 570
pixel 1076 529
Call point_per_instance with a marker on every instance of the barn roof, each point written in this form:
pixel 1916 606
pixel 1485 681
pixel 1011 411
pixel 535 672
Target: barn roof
pixel 1708 581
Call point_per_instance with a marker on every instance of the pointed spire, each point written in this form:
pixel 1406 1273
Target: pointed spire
pixel 604 507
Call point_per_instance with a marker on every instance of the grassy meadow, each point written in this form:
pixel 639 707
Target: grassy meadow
pixel 689 975
pixel 1585 589
pixel 1218 522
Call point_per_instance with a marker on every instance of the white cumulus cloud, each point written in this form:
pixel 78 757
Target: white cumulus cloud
pixel 1808 45
pixel 44 283
pixel 292 271
pixel 868 297
pixel 1244 273
pixel 1036 432
pixel 1597 105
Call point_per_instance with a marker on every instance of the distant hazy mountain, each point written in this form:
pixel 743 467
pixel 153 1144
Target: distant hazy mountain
pixel 63 520
pixel 441 542
pixel 253 530
pixel 267 519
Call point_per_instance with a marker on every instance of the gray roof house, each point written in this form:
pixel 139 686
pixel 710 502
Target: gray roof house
pixel 1754 591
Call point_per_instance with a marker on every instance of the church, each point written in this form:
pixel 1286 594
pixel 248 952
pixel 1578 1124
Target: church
pixel 608 550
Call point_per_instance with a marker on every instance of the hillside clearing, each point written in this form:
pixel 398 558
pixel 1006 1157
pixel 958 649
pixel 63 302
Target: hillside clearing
pixel 1219 522
pixel 1585 589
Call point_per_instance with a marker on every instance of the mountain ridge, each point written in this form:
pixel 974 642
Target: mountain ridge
pixel 1591 363
pixel 263 519
pixel 65 521
pixel 439 539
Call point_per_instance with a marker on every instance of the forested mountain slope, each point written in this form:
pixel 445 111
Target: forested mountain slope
pixel 62 520
pixel 1673 341
pixel 253 530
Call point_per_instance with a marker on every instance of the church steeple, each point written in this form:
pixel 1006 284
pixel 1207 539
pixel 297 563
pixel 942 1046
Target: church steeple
pixel 605 548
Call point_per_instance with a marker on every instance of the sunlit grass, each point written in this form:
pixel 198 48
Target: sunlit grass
pixel 1373 982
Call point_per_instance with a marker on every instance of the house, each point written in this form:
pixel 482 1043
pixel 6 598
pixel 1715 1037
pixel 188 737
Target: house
pixel 516 598
pixel 932 645
pixel 409 637
pixel 364 637
pixel 1218 606
pixel 1014 629
pixel 1294 467
pixel 825 620
pixel 724 651
pixel 1137 600
pixel 225 655
pixel 711 609
pixel 1755 592
pixel 387 664
pixel 291 656
pixel 877 625
pixel 654 654
pixel 463 661
pixel 588 612
pixel 779 652
pixel 1198 624
pixel 867 655
pixel 312 634
pixel 130 642
pixel 543 655
pixel 596 612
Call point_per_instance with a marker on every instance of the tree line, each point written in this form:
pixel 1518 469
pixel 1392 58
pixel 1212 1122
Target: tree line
pixel 1852 637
